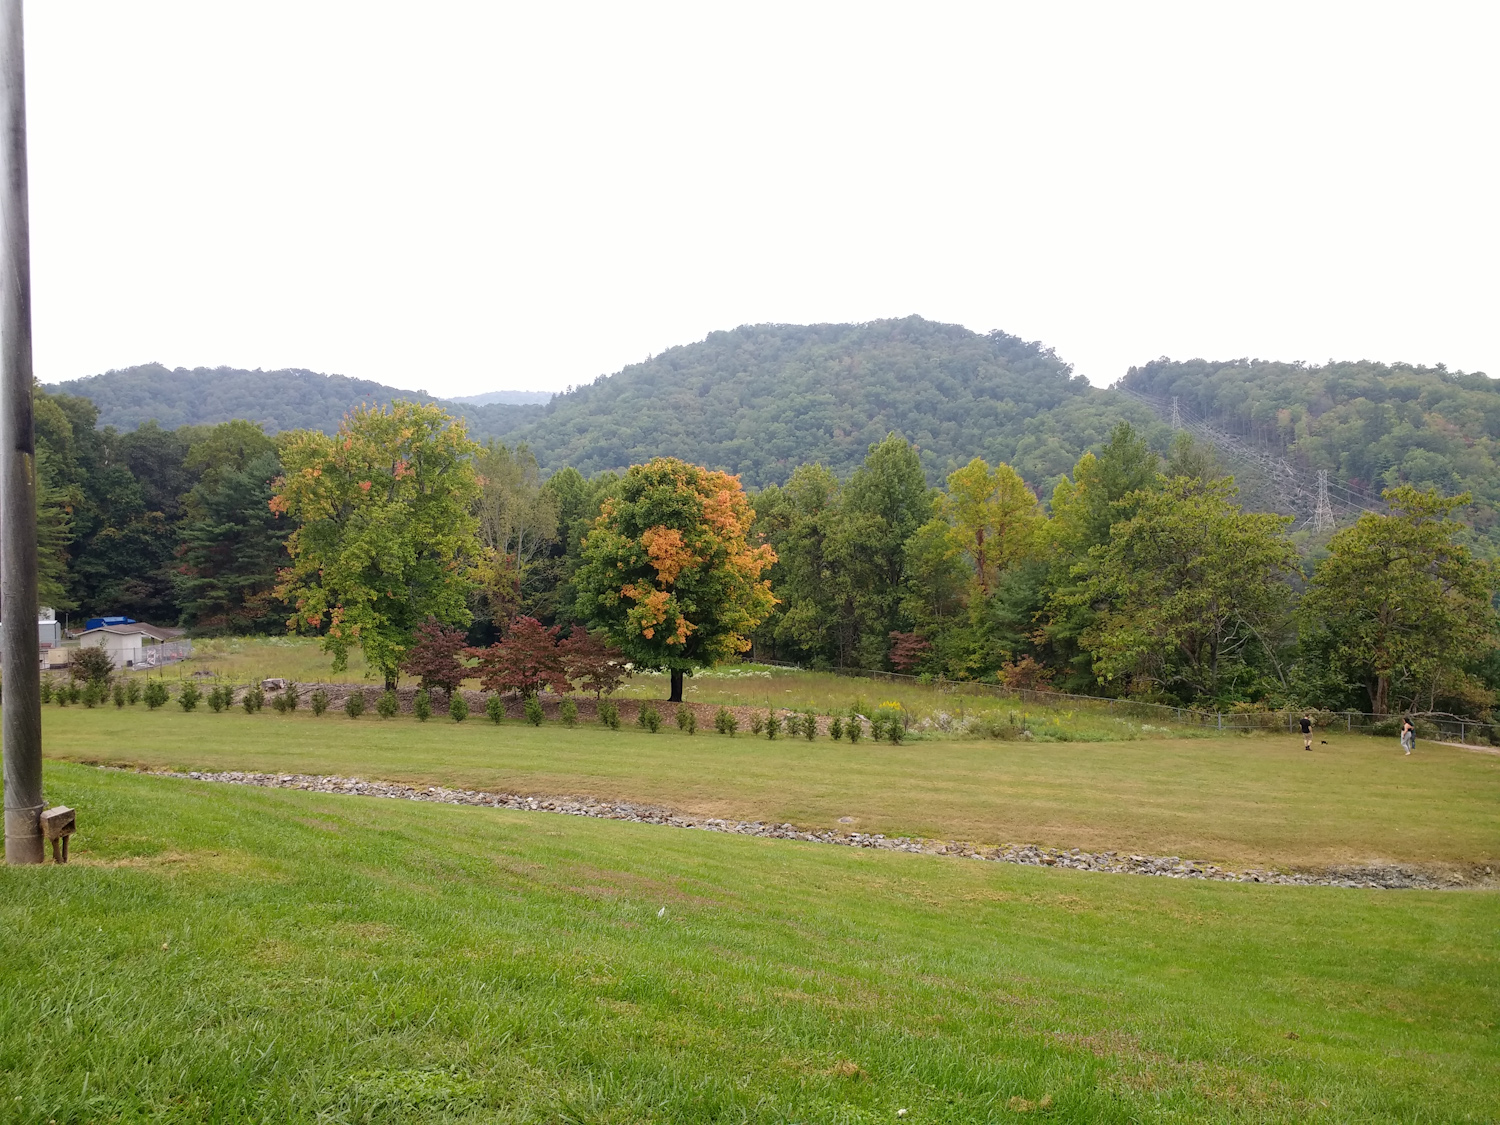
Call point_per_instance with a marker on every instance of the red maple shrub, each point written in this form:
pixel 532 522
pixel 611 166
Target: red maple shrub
pixel 1025 675
pixel 437 657
pixel 526 660
pixel 907 651
pixel 591 663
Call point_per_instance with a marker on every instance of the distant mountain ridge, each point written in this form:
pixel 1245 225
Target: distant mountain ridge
pixel 757 400
pixel 288 399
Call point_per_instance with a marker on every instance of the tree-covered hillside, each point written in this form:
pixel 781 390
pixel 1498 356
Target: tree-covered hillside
pixel 1372 425
pixel 762 399
pixel 757 401
pixel 290 399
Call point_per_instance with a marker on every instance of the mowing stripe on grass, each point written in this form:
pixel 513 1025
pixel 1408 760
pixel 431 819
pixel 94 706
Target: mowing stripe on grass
pixel 1368 876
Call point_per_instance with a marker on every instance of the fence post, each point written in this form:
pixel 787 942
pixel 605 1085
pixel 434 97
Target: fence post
pixel 1221 720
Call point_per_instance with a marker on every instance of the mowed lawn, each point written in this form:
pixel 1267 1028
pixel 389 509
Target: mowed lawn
pixel 225 953
pixel 1241 799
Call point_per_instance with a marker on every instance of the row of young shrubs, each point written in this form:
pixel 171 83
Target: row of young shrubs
pixel 221 697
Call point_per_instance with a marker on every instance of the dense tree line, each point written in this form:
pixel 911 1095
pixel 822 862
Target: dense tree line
pixel 1144 577
pixel 1141 574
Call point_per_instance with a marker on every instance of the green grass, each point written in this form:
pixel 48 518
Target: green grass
pixel 218 953
pixel 1239 800
pixel 242 659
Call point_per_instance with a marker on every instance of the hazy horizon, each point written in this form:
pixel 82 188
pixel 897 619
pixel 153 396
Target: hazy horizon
pixel 480 197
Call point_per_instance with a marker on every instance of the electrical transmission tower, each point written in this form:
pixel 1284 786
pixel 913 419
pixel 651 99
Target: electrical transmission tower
pixel 1176 415
pixel 1322 519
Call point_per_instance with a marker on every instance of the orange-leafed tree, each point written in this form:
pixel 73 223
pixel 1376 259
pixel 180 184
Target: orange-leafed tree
pixel 670 571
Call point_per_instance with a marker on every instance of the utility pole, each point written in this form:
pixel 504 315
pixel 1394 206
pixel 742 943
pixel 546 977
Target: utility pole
pixel 1323 514
pixel 21 727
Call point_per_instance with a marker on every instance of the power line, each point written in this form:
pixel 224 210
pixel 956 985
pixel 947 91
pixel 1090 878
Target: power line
pixel 1285 488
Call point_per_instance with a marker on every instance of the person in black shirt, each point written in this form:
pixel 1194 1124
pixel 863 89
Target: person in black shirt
pixel 1307 732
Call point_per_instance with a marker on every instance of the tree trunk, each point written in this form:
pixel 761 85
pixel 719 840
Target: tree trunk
pixel 1380 699
pixel 676 696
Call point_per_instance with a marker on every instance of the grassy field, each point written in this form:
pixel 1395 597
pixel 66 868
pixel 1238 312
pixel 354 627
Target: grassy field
pixel 1236 800
pixel 243 659
pixel 217 953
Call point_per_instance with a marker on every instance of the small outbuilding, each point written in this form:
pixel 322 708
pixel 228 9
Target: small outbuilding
pixel 131 646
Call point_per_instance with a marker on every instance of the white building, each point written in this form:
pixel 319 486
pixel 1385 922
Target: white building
pixel 135 646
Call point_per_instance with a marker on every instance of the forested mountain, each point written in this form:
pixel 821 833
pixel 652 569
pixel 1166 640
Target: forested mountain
pixel 290 399
pixel 1371 425
pixel 757 401
pixel 762 399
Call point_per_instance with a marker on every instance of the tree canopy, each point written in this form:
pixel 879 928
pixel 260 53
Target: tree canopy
pixel 669 570
pixel 387 531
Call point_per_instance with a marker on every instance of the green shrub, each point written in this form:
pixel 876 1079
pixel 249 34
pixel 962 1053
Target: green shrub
pixel 494 708
pixel 877 726
pixel 836 729
pixel 156 694
pixel 609 714
pixel 354 706
pixel 854 729
pixel 648 718
pixel 725 721
pixel 388 706
pixel 757 724
pixel 891 722
pixel 809 726
pixel 534 714
pixel 215 699
pixel 278 703
pixel 119 694
pixel 421 705
pixel 773 724
pixel 253 699
pixel 568 712
pixel 132 691
pixel 75 693
pixel 458 706
pixel 319 701
pixel 687 719
pixel 189 696
pixel 61 695
pixel 91 664
pixel 46 689
pixel 292 694
pixel 91 694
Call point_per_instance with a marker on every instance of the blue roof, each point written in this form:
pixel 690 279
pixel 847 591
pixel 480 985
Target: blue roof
pixel 100 622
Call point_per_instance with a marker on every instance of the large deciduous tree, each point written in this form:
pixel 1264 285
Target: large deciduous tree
pixel 387 531
pixel 1400 604
pixel 669 569
pixel 1186 591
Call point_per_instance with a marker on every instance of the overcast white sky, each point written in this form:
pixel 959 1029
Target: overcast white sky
pixel 472 196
